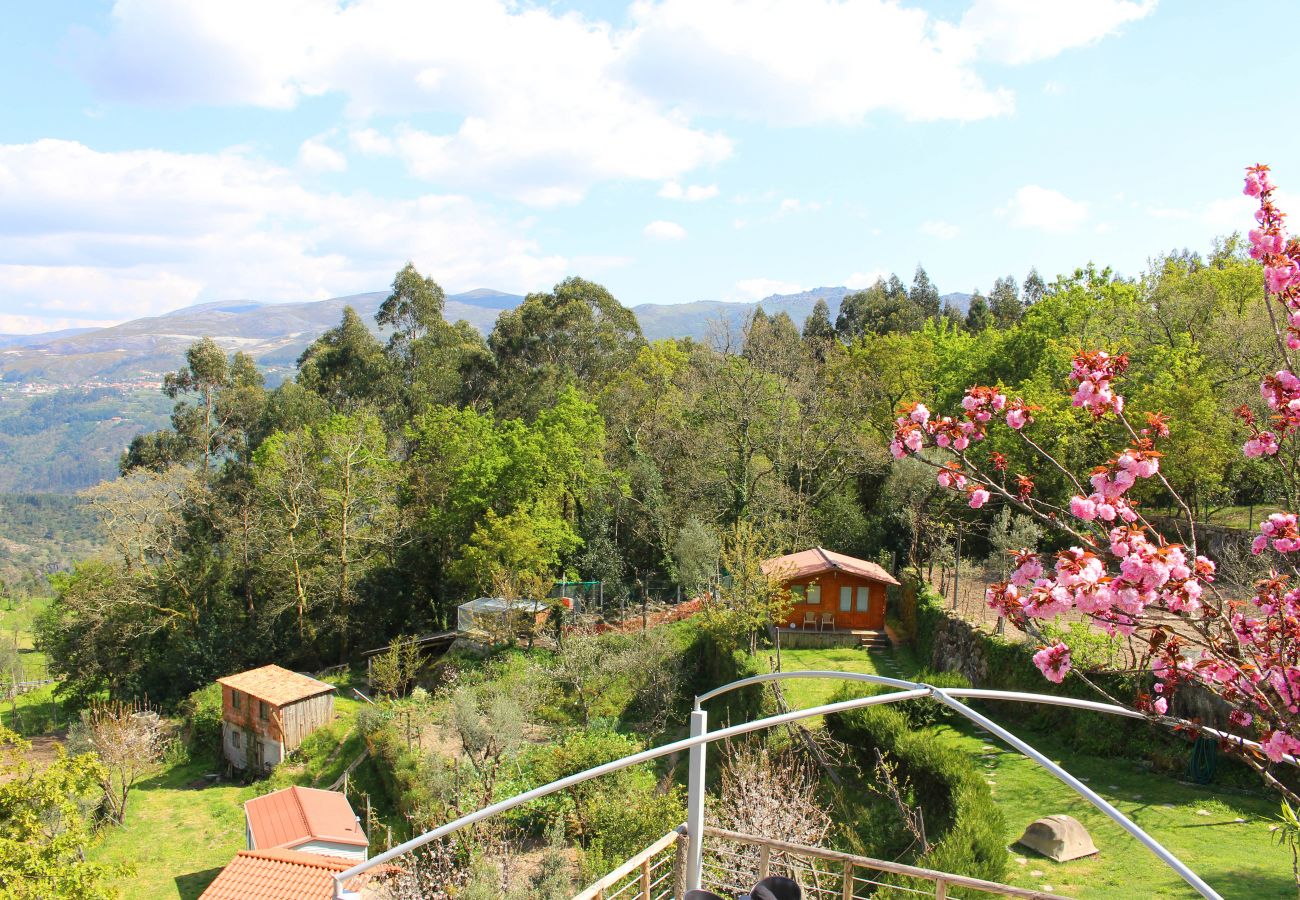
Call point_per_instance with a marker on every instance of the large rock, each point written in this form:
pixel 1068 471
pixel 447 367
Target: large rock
pixel 1059 837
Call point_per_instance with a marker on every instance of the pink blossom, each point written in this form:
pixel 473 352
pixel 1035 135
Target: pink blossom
pixel 1028 569
pixel 1262 444
pixel 920 415
pixel 1278 278
pixel 1017 418
pixel 1253 187
pixel 1053 662
pixel 978 498
pixel 1279 744
pixel 913 441
pixel 1240 718
pixel 1083 508
pixel 1161 706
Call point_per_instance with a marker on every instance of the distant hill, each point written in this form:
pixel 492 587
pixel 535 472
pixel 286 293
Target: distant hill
pixel 275 334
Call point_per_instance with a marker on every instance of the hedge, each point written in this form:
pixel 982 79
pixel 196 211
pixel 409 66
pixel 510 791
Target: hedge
pixel 963 824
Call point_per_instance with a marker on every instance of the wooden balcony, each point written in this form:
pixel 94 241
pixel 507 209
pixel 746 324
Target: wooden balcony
pixel 733 862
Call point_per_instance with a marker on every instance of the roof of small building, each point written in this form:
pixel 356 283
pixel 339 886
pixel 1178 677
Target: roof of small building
pixel 279 875
pixel 295 815
pixel 817 560
pixel 276 685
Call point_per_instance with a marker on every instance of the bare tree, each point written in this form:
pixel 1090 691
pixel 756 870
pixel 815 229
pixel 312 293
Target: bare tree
pixel 770 793
pixel 128 739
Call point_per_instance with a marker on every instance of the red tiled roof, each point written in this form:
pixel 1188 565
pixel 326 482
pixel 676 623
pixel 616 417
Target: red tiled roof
pixel 815 561
pixel 295 815
pixel 275 685
pixel 279 875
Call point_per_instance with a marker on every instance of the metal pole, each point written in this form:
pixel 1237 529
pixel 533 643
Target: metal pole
pixel 1084 791
pixel 487 812
pixel 695 803
pixel 956 571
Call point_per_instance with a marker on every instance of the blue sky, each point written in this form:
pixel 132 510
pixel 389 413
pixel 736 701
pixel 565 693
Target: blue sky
pixel 158 153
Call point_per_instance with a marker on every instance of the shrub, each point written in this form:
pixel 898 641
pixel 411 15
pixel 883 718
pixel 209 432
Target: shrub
pixel 202 712
pixel 964 825
pixel 926 712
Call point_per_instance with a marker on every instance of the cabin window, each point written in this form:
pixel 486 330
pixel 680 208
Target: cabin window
pixel 846 599
pixel 234 699
pixel 263 710
pixel 798 593
pixel 864 599
pixel 814 594
pixel 234 738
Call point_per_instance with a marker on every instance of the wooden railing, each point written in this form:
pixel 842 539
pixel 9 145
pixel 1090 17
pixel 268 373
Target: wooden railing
pixel 733 862
pixel 653 874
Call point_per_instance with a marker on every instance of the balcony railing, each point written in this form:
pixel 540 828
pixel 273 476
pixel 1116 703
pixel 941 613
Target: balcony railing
pixel 733 862
pixel 653 874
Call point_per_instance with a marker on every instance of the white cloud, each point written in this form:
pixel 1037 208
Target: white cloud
pixel 660 230
pixel 543 104
pixel 938 228
pixel 370 142
pixel 1054 88
pixel 1025 31
pixel 1044 209
pixel 118 235
pixel 691 193
pixel 317 156
pixel 541 114
pixel 799 62
pixel 861 280
pixel 759 288
pixel 38 324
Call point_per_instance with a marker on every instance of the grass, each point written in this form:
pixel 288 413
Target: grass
pixel 1198 824
pixel 177 837
pixel 180 832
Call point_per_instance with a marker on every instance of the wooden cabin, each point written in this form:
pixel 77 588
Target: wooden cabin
pixel 267 712
pixel 831 591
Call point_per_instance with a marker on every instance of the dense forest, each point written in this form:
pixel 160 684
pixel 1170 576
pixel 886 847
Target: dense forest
pixel 69 439
pixel 390 481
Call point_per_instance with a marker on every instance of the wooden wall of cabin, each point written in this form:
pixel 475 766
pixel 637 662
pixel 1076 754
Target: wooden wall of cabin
pixel 831 584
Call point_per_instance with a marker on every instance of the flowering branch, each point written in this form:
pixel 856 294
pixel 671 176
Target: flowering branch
pixel 1122 574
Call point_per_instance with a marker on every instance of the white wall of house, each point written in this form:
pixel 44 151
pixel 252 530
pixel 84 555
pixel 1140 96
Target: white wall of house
pixel 232 745
pixel 329 848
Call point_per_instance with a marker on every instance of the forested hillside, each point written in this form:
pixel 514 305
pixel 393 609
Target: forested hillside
pixel 389 481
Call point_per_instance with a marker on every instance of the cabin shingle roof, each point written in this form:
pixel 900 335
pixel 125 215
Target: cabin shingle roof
pixel 277 686
pixel 806 563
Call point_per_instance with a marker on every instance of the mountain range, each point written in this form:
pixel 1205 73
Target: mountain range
pixel 275 334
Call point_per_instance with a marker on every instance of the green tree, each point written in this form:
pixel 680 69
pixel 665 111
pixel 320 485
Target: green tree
pixel 923 294
pixel 751 599
pixel 883 308
pixel 44 830
pixel 577 334
pixel 978 315
pixel 347 366
pixel 1004 303
pixel 818 331
pixel 1035 288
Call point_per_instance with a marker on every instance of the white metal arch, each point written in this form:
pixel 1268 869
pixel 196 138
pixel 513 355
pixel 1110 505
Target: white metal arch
pixel 700 737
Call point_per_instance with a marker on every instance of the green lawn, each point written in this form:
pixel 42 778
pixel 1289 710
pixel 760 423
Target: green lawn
pixel 176 836
pixel 1198 824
